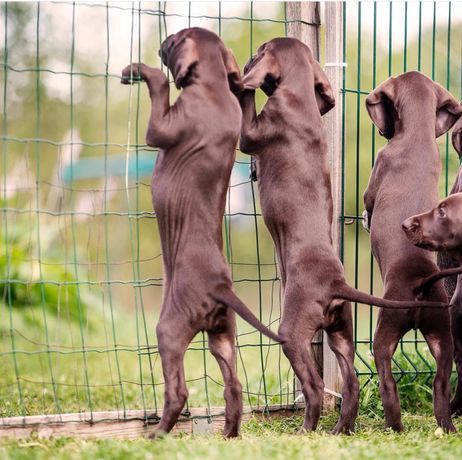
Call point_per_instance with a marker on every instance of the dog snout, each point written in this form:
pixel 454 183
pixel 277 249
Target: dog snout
pixel 410 224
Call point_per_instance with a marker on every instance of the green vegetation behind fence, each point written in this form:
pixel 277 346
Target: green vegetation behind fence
pixel 80 264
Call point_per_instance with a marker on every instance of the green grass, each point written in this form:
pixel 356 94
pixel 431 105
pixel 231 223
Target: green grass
pixel 275 439
pixel 36 367
pixel 267 439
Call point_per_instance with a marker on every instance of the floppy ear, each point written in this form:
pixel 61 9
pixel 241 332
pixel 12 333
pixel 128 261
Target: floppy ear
pixel 457 137
pixel 259 68
pixel 380 105
pixel 232 69
pixel 448 110
pixel 185 60
pixel 324 94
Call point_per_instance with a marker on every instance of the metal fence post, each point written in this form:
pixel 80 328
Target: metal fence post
pixel 307 29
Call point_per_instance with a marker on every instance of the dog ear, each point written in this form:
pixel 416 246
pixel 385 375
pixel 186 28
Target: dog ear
pixel 457 137
pixel 448 110
pixel 256 70
pixel 324 94
pixel 232 69
pixel 184 63
pixel 380 105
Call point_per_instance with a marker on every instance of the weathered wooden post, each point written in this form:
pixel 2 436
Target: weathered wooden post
pixel 334 68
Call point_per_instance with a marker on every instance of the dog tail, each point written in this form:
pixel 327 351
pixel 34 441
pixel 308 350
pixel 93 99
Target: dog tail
pixel 430 280
pixel 348 293
pixel 231 300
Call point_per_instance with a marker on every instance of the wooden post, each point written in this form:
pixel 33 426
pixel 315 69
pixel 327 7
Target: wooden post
pixel 333 20
pixel 306 26
pixel 306 29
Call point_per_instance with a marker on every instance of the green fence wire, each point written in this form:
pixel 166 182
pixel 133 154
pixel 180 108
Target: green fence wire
pixel 80 265
pixel 81 274
pixel 383 39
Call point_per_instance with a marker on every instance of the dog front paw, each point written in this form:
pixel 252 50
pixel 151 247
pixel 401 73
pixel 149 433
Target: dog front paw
pixel 137 72
pixel 366 221
pixel 132 73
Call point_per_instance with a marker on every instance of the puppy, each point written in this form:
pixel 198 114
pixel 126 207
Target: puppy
pixel 411 111
pixel 197 138
pixel 441 230
pixel 288 142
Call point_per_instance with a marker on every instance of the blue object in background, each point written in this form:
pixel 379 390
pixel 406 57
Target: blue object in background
pixel 140 164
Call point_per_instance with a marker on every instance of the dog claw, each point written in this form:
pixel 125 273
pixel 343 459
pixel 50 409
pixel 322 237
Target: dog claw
pixel 127 80
pixel 398 428
pixel 449 428
pixel 342 429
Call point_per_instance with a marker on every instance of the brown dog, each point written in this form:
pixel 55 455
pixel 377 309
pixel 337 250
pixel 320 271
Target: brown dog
pixel 411 111
pixel 197 138
pixel 441 230
pixel 288 141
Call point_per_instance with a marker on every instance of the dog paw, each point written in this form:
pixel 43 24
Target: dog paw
pixel 137 72
pixel 302 431
pixel 447 427
pixel 230 434
pixel 157 434
pixel 343 428
pixel 132 73
pixel 396 427
pixel 366 221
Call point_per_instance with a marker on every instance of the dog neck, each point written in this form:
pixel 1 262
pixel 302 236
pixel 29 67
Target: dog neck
pixel 201 76
pixel 412 123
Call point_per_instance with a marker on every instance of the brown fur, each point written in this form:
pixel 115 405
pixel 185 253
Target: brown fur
pixel 411 111
pixel 440 229
pixel 288 142
pixel 197 138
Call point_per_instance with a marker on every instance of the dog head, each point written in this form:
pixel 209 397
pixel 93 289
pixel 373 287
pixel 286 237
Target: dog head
pixel 385 103
pixel 183 51
pixel 439 229
pixel 282 59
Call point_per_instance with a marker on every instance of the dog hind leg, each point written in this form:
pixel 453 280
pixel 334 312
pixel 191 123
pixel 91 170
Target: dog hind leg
pixel 223 348
pixel 172 347
pixel 297 348
pixel 441 347
pixel 340 340
pixel 456 323
pixel 386 338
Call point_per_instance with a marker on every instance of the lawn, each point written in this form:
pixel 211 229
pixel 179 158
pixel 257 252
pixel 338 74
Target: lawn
pixel 275 439
pixel 270 439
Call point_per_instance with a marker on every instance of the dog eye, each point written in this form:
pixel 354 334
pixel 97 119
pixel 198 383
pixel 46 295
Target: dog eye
pixel 441 212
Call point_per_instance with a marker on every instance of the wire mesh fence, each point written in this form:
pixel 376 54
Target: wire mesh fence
pixel 384 39
pixel 80 266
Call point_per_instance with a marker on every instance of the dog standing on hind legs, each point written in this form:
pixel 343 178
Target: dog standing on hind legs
pixel 411 111
pixel 197 138
pixel 288 143
pixel 440 229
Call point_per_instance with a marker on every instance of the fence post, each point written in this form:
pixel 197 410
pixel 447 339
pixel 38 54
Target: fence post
pixel 306 28
pixel 333 20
